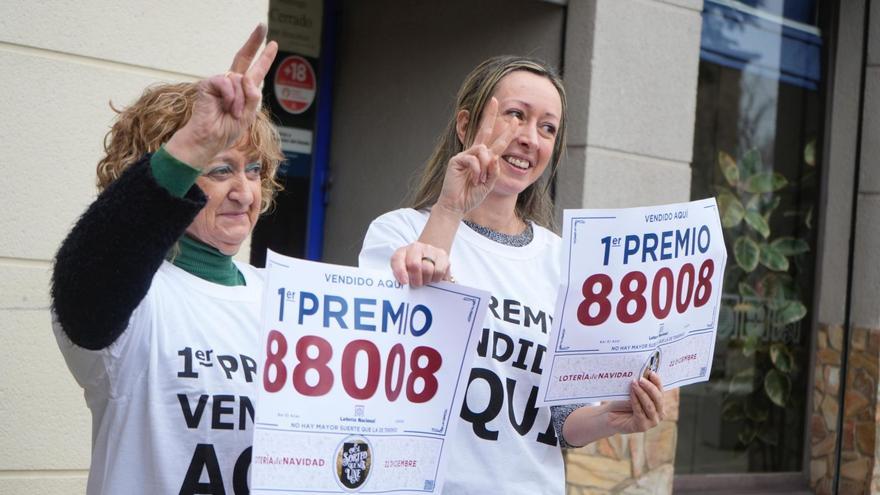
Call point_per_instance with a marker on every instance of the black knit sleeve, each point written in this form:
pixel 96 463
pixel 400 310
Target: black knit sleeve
pixel 104 267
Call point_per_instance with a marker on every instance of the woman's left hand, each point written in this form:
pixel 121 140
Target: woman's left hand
pixel 419 263
pixel 644 409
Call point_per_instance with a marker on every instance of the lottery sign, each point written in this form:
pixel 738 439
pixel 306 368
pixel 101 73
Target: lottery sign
pixel 641 291
pixel 361 379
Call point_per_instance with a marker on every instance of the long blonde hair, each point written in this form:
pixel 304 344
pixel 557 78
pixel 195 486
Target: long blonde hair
pixel 532 204
pixel 160 111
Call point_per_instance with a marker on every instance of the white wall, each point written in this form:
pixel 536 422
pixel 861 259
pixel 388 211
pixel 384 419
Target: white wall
pixel 61 62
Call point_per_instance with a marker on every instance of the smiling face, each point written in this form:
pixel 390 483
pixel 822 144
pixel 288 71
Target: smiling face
pixel 534 103
pixel 232 184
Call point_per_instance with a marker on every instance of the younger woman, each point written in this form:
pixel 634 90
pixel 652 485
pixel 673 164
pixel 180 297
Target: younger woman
pixel 482 212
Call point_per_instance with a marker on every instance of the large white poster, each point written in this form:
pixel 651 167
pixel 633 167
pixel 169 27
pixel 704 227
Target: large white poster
pixel 361 379
pixel 641 290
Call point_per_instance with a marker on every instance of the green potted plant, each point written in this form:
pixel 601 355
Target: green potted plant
pixel 763 302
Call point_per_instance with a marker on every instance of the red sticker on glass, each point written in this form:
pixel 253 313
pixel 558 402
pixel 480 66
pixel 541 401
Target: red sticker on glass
pixel 295 84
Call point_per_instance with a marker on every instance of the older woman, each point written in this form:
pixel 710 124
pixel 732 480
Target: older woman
pixel 156 321
pixel 484 199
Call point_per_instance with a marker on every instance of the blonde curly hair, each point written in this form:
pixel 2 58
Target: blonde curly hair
pixel 160 111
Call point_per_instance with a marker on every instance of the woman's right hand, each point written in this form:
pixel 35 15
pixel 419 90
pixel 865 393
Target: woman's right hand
pixel 226 105
pixel 419 263
pixel 471 174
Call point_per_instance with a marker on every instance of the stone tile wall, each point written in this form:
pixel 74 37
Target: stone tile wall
pixel 826 406
pixel 859 456
pixel 641 463
pixel 858 473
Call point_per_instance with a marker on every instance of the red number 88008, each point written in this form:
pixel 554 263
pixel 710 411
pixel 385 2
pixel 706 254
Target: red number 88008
pixel 320 363
pixel 598 287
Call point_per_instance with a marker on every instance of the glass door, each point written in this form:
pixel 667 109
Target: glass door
pixel 759 117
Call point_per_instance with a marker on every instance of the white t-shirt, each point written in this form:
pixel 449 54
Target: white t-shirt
pixel 504 444
pixel 172 399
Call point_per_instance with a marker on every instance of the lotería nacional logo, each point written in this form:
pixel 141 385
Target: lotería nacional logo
pixel 353 462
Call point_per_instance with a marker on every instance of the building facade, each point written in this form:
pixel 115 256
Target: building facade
pixel 772 106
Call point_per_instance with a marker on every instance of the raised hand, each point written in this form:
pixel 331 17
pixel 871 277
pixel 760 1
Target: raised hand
pixel 226 105
pixel 245 55
pixel 643 410
pixel 471 174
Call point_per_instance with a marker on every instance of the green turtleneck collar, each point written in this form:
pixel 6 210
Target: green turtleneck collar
pixel 206 262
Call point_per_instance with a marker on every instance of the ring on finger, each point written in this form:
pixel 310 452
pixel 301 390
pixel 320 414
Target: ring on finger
pixel 429 260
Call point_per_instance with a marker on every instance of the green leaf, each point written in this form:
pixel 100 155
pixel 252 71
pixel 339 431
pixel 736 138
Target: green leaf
pixel 732 410
pixel 750 344
pixel 731 210
pixel 754 411
pixel 728 168
pixel 777 386
pixel 778 286
pixel 747 291
pixel 747 252
pixel 791 312
pixel 759 202
pixel 775 303
pixel 810 153
pixel 754 329
pixel 772 258
pixel 726 322
pixel 754 203
pixel 750 162
pixel 765 182
pixel 743 382
pixel 789 246
pixel 721 189
pixel 747 435
pixel 808 221
pixel 757 222
pixel 781 357
pixel 774 203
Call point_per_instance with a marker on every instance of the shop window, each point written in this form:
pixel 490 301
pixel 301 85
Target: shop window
pixel 758 122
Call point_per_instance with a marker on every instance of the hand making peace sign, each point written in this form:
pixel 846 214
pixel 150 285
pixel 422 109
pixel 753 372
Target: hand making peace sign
pixel 471 174
pixel 226 105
